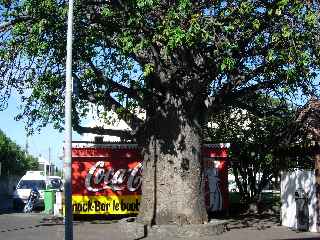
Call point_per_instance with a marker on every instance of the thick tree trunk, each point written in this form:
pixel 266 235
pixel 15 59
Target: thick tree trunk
pixel 242 190
pixel 172 189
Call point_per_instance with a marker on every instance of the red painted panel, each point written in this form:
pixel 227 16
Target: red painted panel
pixel 117 173
pixel 106 171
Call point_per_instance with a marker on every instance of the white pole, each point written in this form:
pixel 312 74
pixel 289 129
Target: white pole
pixel 49 159
pixel 68 129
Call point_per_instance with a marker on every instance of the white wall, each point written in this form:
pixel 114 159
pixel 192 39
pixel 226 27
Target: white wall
pixel 290 181
pixel 114 123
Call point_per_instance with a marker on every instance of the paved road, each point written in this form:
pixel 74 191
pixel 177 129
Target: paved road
pixel 37 226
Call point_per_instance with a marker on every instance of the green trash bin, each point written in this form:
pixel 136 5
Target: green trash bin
pixel 49 200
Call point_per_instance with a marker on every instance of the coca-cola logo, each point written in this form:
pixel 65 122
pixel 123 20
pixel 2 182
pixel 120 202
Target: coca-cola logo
pixel 99 178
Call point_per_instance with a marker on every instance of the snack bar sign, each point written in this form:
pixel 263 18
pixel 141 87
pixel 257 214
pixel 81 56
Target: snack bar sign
pixel 108 183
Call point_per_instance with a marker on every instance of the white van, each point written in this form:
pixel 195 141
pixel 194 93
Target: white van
pixel 32 179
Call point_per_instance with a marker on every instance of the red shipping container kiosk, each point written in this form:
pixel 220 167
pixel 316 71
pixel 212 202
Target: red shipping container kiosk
pixel 106 178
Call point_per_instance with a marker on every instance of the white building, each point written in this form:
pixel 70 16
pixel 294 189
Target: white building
pixel 292 183
pixel 111 121
pixel 46 166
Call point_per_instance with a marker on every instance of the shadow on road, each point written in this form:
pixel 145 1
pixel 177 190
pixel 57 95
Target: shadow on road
pixel 304 238
pixel 257 221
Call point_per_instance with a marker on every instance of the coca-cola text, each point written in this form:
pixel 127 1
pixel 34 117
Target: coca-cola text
pixel 99 178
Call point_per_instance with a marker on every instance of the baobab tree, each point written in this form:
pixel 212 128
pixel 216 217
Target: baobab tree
pixel 179 61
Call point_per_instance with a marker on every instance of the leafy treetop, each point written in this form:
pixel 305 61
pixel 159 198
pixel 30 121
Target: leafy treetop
pixel 137 54
pixel 14 161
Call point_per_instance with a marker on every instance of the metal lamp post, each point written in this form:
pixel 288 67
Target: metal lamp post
pixel 68 129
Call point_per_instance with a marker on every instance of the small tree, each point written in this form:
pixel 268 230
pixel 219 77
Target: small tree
pixel 14 161
pixel 256 136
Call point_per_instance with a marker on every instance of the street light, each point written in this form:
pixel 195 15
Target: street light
pixel 68 129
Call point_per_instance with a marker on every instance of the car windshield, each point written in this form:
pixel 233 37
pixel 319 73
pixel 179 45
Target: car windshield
pixel 29 184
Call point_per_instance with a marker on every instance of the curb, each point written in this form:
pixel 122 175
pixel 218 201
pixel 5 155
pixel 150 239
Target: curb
pixel 137 230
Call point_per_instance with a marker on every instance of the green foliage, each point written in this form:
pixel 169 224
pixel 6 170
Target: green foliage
pixel 129 51
pixel 14 161
pixel 256 136
pixel 148 69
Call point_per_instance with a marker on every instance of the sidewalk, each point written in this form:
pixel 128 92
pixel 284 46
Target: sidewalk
pixel 88 231
pixel 254 230
pixel 36 226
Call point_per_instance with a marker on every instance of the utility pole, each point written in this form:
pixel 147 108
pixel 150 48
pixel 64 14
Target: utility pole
pixel 49 159
pixel 68 129
pixel 27 144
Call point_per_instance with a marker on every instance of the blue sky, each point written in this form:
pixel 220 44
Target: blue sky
pixel 38 143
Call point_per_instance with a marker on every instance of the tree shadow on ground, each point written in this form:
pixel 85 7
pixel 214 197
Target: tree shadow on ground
pixel 240 217
pixel 257 221
pixel 304 238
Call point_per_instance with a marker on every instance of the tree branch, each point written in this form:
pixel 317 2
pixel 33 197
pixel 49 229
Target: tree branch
pixel 5 25
pixel 131 119
pixel 114 85
pixel 228 92
pixel 259 112
pixel 123 134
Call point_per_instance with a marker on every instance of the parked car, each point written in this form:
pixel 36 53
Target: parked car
pixel 32 179
pixel 55 182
